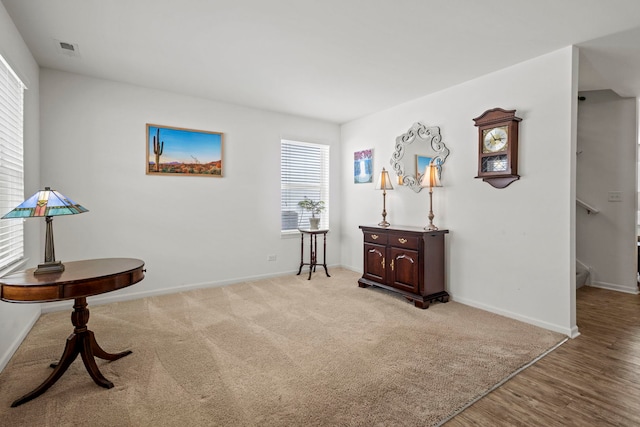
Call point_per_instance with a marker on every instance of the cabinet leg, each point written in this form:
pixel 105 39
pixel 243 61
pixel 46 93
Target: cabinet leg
pixel 421 304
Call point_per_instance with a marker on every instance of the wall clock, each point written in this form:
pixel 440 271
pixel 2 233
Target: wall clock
pixel 498 147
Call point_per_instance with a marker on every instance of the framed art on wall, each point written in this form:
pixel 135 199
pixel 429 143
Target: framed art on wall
pixel 185 152
pixel 363 166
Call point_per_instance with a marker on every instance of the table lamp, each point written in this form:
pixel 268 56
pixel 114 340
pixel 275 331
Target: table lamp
pixel 384 184
pixel 47 203
pixel 430 179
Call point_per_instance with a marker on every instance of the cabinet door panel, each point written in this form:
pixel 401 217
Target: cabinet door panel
pixel 374 262
pixel 404 270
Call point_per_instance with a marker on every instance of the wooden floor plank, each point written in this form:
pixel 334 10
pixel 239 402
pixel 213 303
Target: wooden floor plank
pixel 592 380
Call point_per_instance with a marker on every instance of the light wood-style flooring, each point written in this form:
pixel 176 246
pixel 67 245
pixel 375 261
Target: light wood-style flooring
pixel 592 380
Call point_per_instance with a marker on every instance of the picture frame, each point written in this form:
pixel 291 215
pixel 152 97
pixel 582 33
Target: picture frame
pixel 183 152
pixel 363 166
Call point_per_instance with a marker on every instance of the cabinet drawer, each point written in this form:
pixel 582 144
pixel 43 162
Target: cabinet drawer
pixel 404 241
pixel 377 238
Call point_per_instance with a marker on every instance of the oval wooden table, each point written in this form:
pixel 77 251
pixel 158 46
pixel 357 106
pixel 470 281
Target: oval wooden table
pixel 79 280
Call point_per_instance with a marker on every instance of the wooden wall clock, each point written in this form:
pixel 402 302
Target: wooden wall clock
pixel 498 147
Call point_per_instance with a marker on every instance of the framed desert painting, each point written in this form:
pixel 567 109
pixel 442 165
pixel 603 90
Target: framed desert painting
pixel 185 152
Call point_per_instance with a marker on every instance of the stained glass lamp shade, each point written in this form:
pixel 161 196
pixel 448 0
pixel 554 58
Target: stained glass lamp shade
pixel 47 203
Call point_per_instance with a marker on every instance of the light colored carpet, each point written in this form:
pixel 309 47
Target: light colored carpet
pixel 277 352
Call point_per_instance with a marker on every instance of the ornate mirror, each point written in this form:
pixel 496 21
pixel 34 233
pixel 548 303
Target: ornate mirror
pixel 414 150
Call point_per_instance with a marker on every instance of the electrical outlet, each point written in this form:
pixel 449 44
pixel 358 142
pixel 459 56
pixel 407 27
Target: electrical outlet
pixel 271 257
pixel 615 196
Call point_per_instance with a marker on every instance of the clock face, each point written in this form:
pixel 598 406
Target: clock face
pixel 494 139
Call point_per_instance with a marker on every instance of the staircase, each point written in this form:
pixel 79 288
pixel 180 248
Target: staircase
pixel 582 275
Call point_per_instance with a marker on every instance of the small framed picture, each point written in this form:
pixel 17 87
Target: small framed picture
pixel 183 152
pixel 363 166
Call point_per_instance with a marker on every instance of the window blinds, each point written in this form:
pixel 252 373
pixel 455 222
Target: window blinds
pixel 11 164
pixel 304 172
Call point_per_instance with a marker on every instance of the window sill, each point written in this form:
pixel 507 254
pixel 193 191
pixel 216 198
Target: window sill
pixel 15 266
pixel 289 234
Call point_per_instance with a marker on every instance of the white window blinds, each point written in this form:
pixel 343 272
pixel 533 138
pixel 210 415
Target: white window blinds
pixel 304 173
pixel 11 164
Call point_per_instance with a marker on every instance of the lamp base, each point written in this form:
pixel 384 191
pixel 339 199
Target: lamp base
pixel 384 224
pixel 50 267
pixel 431 227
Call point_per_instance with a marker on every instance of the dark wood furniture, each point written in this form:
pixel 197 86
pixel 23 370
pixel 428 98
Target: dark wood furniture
pixel 407 260
pixel 498 147
pixel 313 250
pixel 79 280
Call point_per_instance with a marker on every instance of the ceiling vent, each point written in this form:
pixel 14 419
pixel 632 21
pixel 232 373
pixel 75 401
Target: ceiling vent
pixel 67 48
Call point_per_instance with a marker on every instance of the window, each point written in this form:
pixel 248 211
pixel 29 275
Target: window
pixel 11 164
pixel 304 173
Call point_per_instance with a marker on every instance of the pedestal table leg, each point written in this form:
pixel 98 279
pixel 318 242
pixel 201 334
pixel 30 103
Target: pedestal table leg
pixel 83 342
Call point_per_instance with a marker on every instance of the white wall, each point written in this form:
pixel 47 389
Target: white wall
pixel 190 231
pixel 607 143
pixel 16 319
pixel 509 251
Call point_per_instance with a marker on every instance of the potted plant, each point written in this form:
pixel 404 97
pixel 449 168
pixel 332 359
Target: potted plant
pixel 313 207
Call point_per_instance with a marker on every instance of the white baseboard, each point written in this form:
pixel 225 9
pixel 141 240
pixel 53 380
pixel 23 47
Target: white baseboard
pixel 355 270
pixel 615 287
pixel 570 332
pixel 11 349
pixel 122 295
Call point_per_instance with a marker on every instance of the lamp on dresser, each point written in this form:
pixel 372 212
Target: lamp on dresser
pixel 430 179
pixel 384 184
pixel 47 203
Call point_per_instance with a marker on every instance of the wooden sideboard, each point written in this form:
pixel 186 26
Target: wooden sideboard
pixel 407 260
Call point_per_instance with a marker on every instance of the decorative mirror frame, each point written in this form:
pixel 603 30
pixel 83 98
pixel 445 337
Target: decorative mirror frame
pixel 435 148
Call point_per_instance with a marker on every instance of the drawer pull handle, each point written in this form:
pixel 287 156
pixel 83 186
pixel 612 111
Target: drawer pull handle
pixel 374 236
pixel 392 264
pixel 383 266
pixel 401 240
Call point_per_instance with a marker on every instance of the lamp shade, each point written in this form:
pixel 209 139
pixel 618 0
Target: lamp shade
pixel 46 202
pixel 431 176
pixel 384 183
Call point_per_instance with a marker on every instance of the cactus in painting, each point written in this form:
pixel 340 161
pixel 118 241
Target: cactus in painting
pixel 158 148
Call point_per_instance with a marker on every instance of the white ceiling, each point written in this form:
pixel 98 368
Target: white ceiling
pixel 335 60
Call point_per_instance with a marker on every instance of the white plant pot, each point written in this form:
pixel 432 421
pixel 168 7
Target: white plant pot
pixel 313 223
